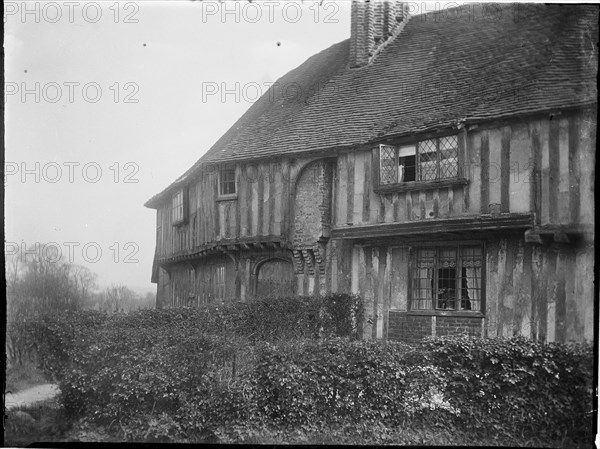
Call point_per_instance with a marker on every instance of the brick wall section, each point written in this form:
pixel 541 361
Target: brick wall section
pixel 448 325
pixel 312 205
pixel 408 328
pixel 413 328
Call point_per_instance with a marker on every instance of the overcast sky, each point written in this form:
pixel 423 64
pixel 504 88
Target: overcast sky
pixel 107 103
pixel 119 89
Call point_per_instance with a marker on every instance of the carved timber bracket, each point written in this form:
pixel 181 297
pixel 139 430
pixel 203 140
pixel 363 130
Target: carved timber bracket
pixel 558 235
pixel 320 256
pixel 298 261
pixel 308 261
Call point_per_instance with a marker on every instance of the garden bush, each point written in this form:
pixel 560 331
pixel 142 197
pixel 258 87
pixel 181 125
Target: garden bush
pixel 233 371
pixel 116 366
pixel 517 385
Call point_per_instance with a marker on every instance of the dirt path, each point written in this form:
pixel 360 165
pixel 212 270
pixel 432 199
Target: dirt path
pixel 30 396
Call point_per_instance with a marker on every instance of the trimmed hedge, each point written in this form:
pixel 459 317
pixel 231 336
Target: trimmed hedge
pixel 234 371
pixel 503 390
pixel 116 366
pixel 516 385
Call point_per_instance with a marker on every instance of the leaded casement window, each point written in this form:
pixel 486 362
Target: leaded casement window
pixel 447 278
pixel 227 185
pixel 427 160
pixel 177 207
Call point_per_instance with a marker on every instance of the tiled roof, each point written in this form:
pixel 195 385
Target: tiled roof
pixel 476 62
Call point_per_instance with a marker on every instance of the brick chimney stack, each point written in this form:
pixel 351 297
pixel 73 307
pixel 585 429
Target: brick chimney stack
pixel 374 23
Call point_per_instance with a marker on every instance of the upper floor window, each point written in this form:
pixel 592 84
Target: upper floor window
pixel 177 208
pixel 227 184
pixel 447 278
pixel 427 160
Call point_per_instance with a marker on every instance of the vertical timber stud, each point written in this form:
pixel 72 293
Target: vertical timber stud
pixel 381 289
pixel 554 158
pixel 536 186
pixel 334 194
pixel 286 200
pixel 366 205
pixel 261 199
pixel 216 207
pixel 375 166
pixel 464 169
pixel 272 193
pixel 350 206
pixel 574 169
pixel 250 180
pixel 561 300
pixel 372 286
pixel 505 170
pixel 237 203
pixel 485 173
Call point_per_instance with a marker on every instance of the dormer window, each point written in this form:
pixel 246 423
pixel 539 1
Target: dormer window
pixel 178 208
pixel 418 165
pixel 227 184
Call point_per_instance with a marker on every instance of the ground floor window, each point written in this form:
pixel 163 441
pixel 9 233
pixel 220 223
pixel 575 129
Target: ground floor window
pixel 447 278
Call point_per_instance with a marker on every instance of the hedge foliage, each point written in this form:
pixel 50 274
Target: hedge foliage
pixel 234 371
pixel 517 385
pixel 114 366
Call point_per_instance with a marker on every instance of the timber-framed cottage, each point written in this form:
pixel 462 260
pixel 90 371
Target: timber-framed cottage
pixel 441 166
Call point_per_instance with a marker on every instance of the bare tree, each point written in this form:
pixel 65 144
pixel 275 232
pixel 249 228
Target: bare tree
pixel 40 282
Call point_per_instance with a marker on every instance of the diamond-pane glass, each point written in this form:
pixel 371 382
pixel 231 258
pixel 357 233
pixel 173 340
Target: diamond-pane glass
pixel 428 160
pixel 471 287
pixel 422 279
pixel 448 157
pixel 447 277
pixel 388 172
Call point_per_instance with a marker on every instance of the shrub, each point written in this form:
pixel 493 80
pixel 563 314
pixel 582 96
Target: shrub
pixel 517 385
pixel 113 367
pixel 232 371
pixel 331 380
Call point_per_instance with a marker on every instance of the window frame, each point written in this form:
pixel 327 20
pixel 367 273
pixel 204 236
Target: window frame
pixel 412 258
pixel 417 184
pixel 180 220
pixel 221 183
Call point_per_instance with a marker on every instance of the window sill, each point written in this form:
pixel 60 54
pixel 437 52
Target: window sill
pixel 229 197
pixel 453 313
pixel 419 185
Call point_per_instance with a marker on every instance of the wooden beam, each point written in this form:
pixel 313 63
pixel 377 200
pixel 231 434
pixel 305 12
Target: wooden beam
pixel 500 222
pixel 553 169
pixel 485 174
pixel 505 170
